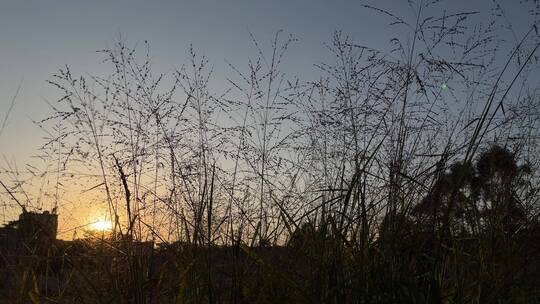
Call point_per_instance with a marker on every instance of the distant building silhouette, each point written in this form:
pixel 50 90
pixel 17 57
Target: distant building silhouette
pixel 32 233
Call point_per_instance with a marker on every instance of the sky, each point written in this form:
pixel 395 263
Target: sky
pixel 37 38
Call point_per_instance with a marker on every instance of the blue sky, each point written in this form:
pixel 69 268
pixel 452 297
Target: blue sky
pixel 39 37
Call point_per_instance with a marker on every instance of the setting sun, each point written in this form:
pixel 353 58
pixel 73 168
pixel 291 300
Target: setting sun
pixel 101 225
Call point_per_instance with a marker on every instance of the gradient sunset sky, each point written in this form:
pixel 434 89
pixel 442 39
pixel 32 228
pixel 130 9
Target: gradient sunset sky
pixel 37 38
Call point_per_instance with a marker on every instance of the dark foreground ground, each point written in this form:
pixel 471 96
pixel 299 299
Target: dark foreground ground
pixel 404 266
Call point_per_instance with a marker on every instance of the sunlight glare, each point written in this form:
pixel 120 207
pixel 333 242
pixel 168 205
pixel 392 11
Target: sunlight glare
pixel 102 225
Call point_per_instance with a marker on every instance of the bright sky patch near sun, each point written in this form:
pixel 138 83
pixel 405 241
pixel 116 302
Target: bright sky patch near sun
pixel 101 225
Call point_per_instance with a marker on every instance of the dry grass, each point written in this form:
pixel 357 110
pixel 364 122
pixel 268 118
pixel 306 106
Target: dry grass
pixel 408 176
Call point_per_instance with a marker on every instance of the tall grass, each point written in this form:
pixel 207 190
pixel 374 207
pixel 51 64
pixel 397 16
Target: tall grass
pixel 407 176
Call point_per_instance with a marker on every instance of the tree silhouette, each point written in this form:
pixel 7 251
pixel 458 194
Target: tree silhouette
pixel 498 177
pixel 447 203
pixel 467 197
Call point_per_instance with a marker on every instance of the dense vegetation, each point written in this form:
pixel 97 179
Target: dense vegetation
pixel 406 176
